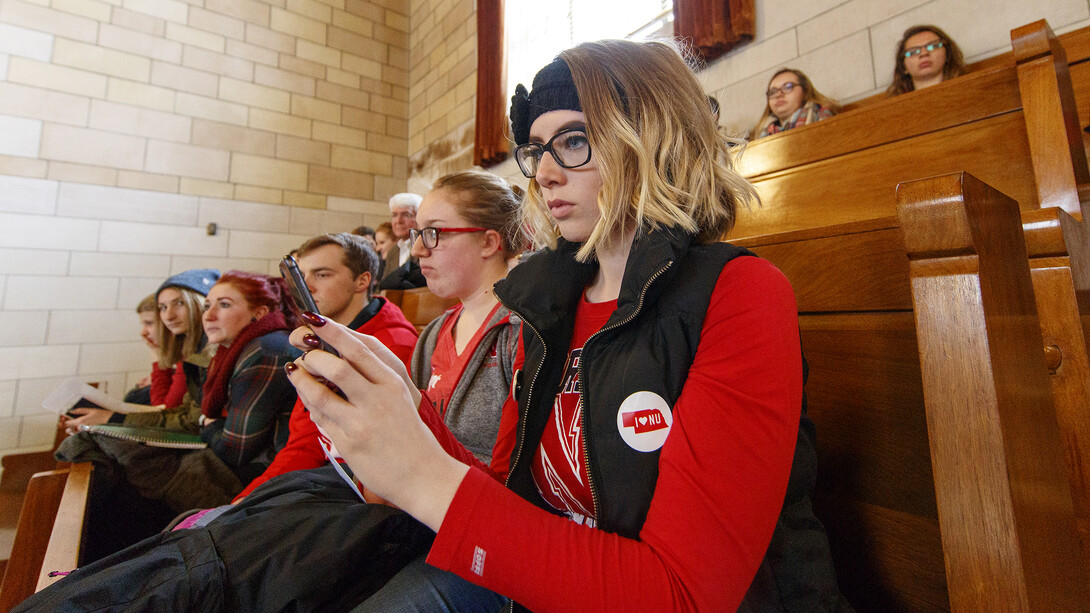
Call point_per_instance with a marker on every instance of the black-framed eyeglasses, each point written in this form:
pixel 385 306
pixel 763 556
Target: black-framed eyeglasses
pixel 430 235
pixel 929 47
pixel 785 89
pixel 570 148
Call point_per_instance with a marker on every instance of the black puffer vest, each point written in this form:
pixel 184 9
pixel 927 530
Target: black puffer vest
pixel 648 344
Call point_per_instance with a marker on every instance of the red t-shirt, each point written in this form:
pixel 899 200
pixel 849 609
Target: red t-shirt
pixel 558 468
pixel 446 365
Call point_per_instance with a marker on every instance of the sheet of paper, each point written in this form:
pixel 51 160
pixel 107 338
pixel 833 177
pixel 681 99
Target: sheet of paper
pixel 327 447
pixel 69 392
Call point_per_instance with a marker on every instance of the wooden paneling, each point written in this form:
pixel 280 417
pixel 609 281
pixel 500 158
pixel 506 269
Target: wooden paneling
pixel 865 396
pixel 937 108
pixel 871 260
pixel 886 561
pixel 861 185
pixel 875 492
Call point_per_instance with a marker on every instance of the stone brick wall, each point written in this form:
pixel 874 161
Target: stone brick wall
pixel 127 126
pixel 443 88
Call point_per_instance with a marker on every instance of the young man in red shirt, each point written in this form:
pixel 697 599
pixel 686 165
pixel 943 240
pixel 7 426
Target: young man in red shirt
pixel 338 269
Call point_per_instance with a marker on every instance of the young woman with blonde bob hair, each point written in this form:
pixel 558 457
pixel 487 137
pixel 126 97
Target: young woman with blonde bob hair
pixel 793 101
pixel 662 458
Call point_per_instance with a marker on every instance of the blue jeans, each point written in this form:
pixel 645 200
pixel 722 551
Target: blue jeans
pixel 421 588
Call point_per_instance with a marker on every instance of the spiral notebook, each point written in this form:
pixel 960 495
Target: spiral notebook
pixel 152 437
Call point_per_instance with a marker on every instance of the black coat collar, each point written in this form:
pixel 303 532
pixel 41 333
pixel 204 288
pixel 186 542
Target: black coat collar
pixel 546 288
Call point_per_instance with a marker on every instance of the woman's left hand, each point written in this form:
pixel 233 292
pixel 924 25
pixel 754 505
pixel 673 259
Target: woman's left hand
pixel 87 417
pixel 375 426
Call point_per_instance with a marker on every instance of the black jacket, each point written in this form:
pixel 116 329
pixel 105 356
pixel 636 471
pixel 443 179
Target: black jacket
pixel 648 344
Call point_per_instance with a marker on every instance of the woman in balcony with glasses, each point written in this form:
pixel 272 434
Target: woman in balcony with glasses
pixel 662 460
pixel 792 102
pixel 926 56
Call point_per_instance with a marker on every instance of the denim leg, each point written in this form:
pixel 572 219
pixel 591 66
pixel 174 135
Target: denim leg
pixel 421 588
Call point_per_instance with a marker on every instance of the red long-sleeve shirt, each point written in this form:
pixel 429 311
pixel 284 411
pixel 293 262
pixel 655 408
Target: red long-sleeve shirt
pixel 302 451
pixel 168 386
pixel 722 478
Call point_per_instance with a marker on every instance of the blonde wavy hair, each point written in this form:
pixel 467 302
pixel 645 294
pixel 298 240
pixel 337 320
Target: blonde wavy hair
pixel 652 133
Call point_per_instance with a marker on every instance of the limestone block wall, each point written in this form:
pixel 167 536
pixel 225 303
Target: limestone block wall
pixel 127 126
pixel 443 88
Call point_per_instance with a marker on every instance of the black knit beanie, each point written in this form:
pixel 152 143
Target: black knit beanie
pixel 554 90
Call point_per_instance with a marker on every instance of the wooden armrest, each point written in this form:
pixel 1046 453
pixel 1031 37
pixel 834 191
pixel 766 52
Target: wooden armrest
pixel 40 503
pixel 64 541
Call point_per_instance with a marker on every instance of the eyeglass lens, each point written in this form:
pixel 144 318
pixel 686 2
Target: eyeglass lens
pixel 929 47
pixel 786 89
pixel 570 149
pixel 429 237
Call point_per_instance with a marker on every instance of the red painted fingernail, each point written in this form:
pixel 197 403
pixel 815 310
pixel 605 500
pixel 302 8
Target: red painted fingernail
pixel 312 341
pixel 313 319
pixel 290 367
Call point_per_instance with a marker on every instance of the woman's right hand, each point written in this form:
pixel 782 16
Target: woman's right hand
pixel 375 425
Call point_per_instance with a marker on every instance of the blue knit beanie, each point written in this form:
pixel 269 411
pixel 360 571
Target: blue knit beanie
pixel 199 280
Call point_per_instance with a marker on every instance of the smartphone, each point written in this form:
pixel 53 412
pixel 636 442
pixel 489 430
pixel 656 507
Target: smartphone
pixel 297 286
pixel 289 269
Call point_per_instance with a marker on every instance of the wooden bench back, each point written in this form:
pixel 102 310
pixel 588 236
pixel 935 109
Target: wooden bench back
pixel 829 221
pixel 875 490
pixel 420 306
pixel 1004 497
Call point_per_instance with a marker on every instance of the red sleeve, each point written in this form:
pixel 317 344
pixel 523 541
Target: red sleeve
pixel 505 437
pixel 391 328
pixel 301 452
pixel 722 478
pixel 167 386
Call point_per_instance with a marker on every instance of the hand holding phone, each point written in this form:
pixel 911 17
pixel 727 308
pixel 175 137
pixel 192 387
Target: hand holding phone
pixel 300 293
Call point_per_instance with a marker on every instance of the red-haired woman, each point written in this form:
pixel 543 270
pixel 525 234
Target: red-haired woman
pixel 246 398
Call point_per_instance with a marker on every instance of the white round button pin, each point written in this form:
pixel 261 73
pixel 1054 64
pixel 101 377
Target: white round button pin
pixel 644 420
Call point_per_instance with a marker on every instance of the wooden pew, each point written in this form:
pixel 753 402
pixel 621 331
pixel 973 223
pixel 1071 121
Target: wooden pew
pixel 1004 500
pixel 829 197
pixel 49 534
pixel 420 306
pixel 875 491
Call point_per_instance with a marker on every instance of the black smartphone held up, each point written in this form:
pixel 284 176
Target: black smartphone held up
pixel 289 269
pixel 297 286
